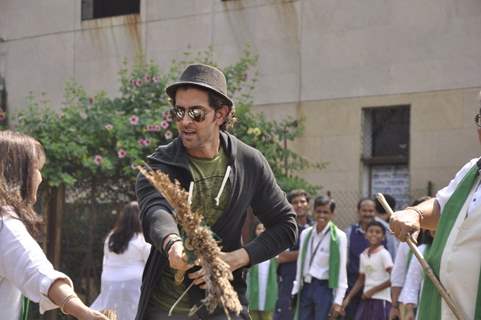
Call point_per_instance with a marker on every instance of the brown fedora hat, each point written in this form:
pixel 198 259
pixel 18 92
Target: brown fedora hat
pixel 204 76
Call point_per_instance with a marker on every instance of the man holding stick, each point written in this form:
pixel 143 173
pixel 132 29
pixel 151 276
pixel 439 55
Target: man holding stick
pixel 455 256
pixel 226 178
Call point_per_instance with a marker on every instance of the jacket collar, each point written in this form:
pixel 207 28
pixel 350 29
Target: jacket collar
pixel 174 153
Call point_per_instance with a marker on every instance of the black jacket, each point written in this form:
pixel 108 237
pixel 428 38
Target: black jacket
pixel 252 185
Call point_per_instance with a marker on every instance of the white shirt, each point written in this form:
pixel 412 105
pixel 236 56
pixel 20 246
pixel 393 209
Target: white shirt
pixel 263 268
pixel 319 268
pixel 414 279
pixel 122 278
pixel 444 194
pixel 24 268
pixel 398 274
pixel 374 267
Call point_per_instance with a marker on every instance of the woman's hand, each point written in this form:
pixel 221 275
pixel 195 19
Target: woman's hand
pixel 91 314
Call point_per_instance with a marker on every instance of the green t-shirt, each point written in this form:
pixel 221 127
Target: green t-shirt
pixel 208 175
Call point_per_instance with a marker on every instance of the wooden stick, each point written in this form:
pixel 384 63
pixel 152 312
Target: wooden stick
pixel 427 268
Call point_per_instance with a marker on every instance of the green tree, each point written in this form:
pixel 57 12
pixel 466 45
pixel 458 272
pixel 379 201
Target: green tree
pixel 94 141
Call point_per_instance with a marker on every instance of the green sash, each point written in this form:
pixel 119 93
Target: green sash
pixel 24 308
pixel 271 288
pixel 430 302
pixel 334 261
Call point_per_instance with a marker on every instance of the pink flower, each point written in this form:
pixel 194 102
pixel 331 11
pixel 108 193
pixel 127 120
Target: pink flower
pixel 108 126
pixel 165 114
pixel 134 120
pixel 168 134
pixel 155 79
pixel 121 153
pixel 169 118
pixel 153 128
pixel 143 142
pixel 147 78
pixel 3 116
pixel 164 124
pixel 138 82
pixel 132 82
pixel 98 159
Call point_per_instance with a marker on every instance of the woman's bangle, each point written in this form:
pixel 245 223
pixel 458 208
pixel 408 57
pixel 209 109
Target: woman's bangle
pixel 418 211
pixel 65 301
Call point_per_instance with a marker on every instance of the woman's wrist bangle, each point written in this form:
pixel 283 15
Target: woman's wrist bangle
pixel 67 300
pixel 418 211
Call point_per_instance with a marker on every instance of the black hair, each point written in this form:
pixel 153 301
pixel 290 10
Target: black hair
pixel 390 200
pixel 425 237
pixel 323 200
pixel 420 200
pixel 377 224
pixel 359 203
pixel 126 226
pixel 297 193
pixel 216 101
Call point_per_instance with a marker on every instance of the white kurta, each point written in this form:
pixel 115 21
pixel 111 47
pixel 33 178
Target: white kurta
pixel 398 274
pixel 24 268
pixel 461 260
pixel 414 279
pixel 122 277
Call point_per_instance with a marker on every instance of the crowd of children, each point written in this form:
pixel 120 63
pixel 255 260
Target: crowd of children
pixel 360 273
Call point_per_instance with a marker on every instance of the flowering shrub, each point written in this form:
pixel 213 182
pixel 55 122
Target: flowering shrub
pixel 96 139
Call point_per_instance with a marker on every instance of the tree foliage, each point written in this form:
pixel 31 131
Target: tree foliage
pixel 96 138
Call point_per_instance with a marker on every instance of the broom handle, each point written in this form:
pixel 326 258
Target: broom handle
pixel 427 269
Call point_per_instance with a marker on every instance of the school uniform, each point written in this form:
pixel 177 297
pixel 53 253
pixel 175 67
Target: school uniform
pixel 321 277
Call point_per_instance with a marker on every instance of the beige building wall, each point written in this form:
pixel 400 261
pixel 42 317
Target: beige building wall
pixel 324 60
pixel 443 137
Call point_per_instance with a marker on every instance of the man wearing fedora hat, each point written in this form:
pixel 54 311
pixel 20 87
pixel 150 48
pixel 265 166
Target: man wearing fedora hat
pixel 228 177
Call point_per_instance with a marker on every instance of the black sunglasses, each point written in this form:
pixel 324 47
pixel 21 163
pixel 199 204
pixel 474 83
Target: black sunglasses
pixel 195 113
pixel 477 120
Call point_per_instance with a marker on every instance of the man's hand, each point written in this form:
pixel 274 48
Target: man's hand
pixel 178 258
pixel 404 223
pixel 336 311
pixel 198 278
pixel 410 315
pixel 235 259
pixel 394 314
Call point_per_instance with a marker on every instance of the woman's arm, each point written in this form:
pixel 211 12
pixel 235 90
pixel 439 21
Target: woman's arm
pixel 63 295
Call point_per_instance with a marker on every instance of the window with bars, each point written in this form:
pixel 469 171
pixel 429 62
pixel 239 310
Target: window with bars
pixel 96 9
pixel 386 151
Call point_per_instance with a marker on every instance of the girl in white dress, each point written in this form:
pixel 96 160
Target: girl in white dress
pixel 125 255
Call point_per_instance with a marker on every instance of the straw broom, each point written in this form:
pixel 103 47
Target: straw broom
pixel 427 269
pixel 200 239
pixel 110 314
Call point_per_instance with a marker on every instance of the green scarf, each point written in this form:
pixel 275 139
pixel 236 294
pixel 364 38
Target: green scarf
pixel 271 288
pixel 334 261
pixel 430 302
pixel 24 308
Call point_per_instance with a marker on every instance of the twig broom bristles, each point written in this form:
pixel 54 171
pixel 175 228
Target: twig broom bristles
pixel 201 241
